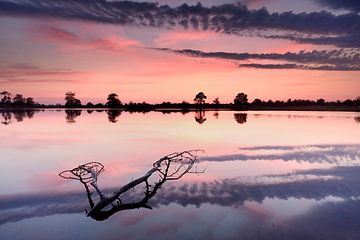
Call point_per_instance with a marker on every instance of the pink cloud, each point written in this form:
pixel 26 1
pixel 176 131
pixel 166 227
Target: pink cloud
pixel 173 37
pixel 69 40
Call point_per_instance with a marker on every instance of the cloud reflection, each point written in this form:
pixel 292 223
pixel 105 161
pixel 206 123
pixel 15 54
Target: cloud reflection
pixel 315 184
pixel 334 154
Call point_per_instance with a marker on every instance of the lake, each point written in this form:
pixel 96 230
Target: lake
pixel 267 174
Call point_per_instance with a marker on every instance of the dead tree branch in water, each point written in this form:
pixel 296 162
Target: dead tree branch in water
pixel 171 167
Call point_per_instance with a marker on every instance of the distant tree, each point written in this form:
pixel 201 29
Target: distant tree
pixel 357 101
pixel 18 100
pixel 6 97
pixel 29 102
pixel 241 99
pixel 200 98
pixel 89 104
pixel 257 101
pixel 216 101
pixel 320 101
pixel 71 101
pixel 113 100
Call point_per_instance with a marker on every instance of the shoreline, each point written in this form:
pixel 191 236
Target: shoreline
pixel 153 108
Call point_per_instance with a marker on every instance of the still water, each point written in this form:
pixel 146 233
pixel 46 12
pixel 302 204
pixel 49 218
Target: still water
pixel 268 175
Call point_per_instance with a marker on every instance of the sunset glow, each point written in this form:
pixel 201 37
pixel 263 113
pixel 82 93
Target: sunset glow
pixel 44 56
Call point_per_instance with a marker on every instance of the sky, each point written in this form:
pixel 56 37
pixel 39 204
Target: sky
pixel 169 50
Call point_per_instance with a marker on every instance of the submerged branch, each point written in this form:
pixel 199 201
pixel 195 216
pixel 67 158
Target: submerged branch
pixel 170 167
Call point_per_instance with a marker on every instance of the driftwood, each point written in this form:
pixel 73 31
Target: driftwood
pixel 171 167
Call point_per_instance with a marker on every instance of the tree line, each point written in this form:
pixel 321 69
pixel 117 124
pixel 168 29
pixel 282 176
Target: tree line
pixel 18 100
pixel 240 102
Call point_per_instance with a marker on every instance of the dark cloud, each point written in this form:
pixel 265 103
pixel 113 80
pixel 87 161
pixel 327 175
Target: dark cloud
pixel 227 18
pixel 336 60
pixel 299 66
pixel 342 41
pixel 352 5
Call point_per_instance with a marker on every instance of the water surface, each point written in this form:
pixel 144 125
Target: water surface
pixel 269 175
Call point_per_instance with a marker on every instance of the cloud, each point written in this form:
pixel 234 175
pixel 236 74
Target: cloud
pixel 352 5
pixel 335 60
pixel 342 41
pixel 333 154
pixel 56 34
pixel 227 18
pixel 299 66
pixel 25 73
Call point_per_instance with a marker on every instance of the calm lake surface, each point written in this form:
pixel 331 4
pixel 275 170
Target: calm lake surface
pixel 269 175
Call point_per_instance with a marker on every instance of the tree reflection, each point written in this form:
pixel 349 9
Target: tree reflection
pixel 17 114
pixel 71 115
pixel 6 117
pixel 170 167
pixel 113 115
pixel 200 116
pixel 357 119
pixel 240 118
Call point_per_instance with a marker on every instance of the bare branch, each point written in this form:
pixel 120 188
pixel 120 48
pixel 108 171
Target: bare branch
pixel 170 167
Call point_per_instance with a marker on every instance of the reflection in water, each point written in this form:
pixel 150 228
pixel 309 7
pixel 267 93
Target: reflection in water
pixel 240 117
pixel 71 115
pixel 216 114
pixel 342 182
pixel 357 119
pixel 6 115
pixel 298 182
pixel 113 115
pixel 17 114
pixel 171 167
pixel 335 154
pixel 200 116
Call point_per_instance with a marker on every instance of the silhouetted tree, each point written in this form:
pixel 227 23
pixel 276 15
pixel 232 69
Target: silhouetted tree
pixel 257 102
pixel 71 101
pixel 113 100
pixel 320 101
pixel 216 101
pixel 18 100
pixel 357 101
pixel 6 98
pixel 240 117
pixel 200 98
pixel 29 102
pixel 89 105
pixel 241 99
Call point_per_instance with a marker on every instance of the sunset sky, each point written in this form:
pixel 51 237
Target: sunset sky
pixel 168 50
